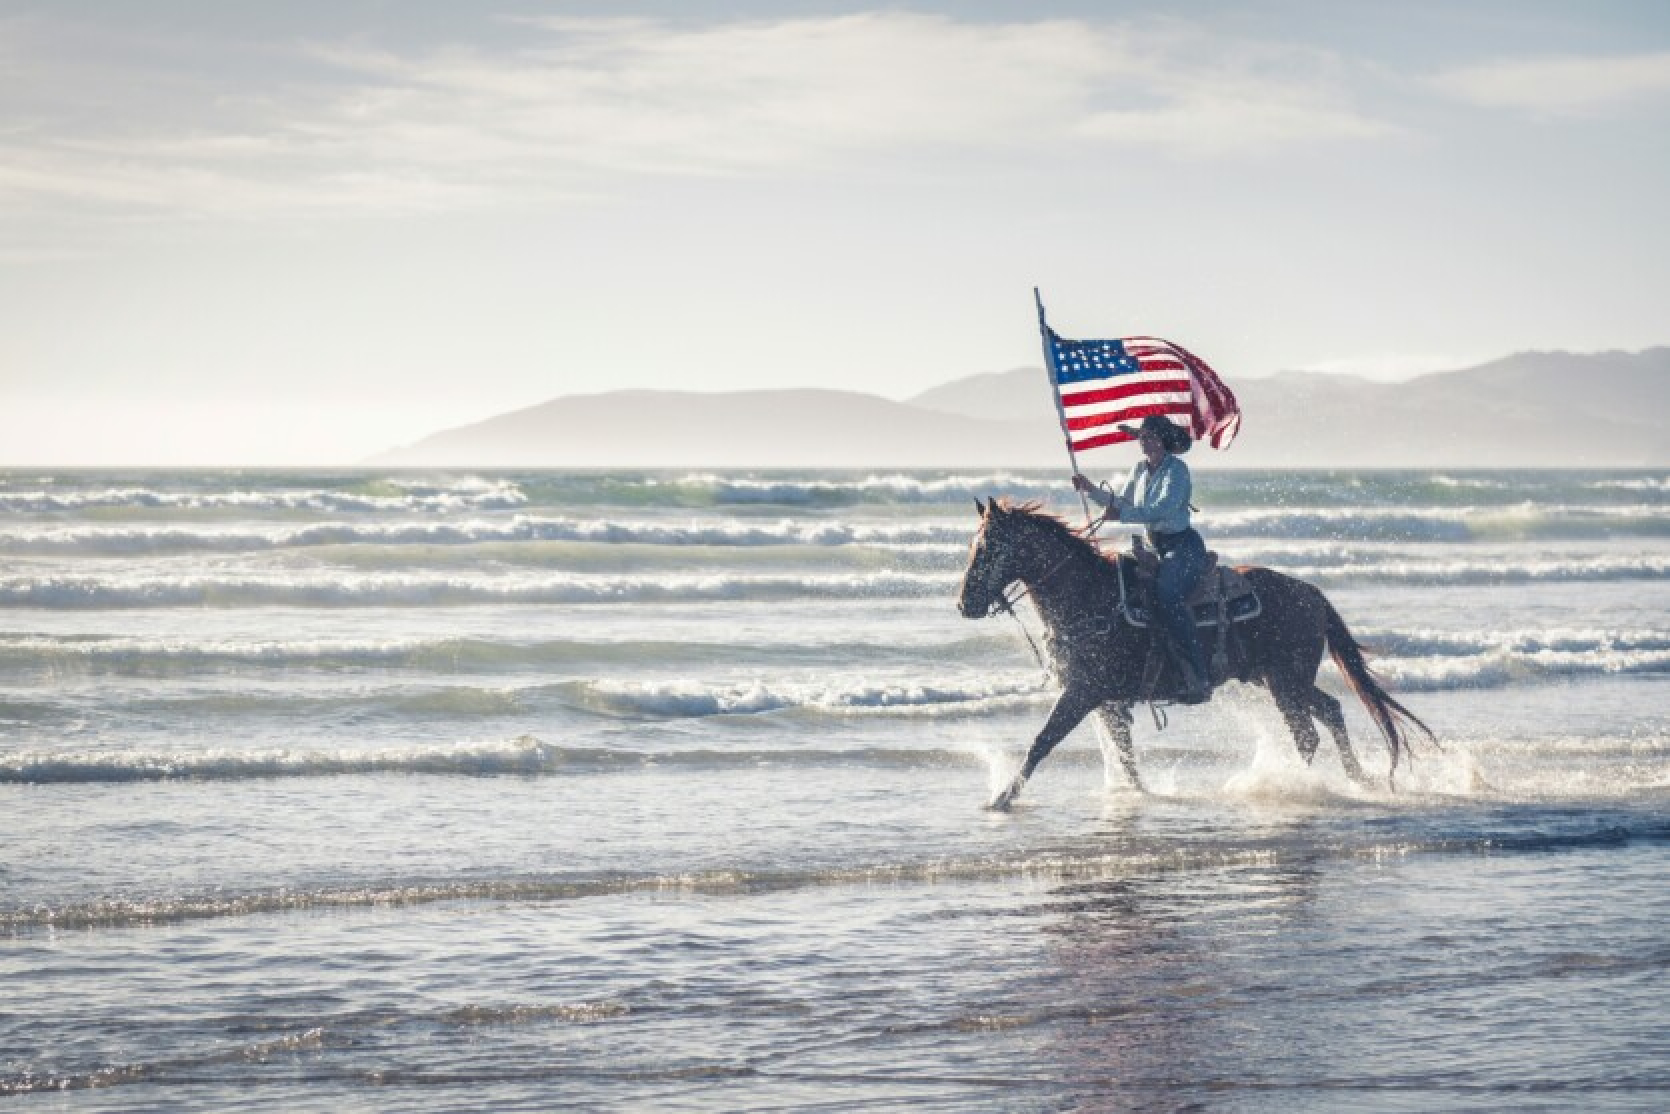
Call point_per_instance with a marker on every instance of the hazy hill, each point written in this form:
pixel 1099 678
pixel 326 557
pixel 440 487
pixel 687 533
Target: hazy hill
pixel 805 428
pixel 1608 409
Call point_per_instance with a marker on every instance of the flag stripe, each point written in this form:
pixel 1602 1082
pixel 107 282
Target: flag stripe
pixel 1114 438
pixel 1129 413
pixel 1110 394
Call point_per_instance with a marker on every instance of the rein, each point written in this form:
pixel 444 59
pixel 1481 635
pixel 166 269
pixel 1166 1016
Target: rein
pixel 1006 603
pixel 1096 625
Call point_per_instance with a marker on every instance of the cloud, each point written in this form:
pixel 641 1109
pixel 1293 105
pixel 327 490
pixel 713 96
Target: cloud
pixel 652 98
pixel 1559 85
pixel 578 106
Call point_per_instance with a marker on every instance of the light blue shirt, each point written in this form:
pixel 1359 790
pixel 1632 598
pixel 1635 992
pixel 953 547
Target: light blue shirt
pixel 1159 501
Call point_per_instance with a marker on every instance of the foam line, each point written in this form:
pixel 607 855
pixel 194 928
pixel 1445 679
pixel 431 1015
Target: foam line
pixel 522 756
pixel 1047 866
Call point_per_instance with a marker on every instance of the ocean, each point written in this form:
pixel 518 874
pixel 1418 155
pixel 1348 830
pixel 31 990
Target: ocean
pixel 361 790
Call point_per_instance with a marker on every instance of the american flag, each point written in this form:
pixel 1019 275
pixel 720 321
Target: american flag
pixel 1102 383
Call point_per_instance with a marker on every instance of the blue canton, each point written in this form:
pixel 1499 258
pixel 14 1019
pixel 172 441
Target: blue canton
pixel 1079 360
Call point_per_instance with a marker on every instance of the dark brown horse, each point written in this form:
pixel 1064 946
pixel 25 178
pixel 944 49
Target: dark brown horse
pixel 1098 658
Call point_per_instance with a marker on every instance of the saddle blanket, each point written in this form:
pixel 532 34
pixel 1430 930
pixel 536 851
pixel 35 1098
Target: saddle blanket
pixel 1218 587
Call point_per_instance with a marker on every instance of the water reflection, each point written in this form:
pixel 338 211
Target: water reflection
pixel 1157 976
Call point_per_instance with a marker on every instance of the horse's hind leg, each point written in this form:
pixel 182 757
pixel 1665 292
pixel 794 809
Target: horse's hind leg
pixel 1328 710
pixel 1296 710
pixel 1115 719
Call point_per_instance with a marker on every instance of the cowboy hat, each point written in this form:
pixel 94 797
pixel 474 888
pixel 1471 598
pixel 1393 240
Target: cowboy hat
pixel 1173 437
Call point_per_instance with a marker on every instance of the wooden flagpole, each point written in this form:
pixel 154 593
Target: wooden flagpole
pixel 1055 393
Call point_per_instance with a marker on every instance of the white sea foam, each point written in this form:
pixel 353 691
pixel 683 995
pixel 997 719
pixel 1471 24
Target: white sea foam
pixel 1501 570
pixel 1659 484
pixel 313 587
pixel 1436 660
pixel 688 698
pixel 96 540
pixel 889 488
pixel 464 495
pixel 119 654
pixel 525 755
pixel 324 589
pixel 1330 531
pixel 1436 524
pixel 1501 667
pixel 1428 642
pixel 1476 483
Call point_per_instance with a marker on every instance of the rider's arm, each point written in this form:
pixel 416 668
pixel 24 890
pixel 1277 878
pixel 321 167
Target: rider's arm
pixel 1166 498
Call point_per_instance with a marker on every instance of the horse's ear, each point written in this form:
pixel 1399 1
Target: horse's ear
pixel 979 507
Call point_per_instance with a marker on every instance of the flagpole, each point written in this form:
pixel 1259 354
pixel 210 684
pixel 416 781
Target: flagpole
pixel 1055 393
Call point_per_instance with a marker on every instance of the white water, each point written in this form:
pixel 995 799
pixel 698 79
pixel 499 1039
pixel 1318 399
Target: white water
pixel 662 791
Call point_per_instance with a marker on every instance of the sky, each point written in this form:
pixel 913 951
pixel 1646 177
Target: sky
pixel 282 234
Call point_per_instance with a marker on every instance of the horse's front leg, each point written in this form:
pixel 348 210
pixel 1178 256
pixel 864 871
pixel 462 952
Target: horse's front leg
pixel 1070 709
pixel 1115 716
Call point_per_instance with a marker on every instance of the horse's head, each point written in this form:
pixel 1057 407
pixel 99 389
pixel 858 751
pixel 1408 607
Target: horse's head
pixel 992 560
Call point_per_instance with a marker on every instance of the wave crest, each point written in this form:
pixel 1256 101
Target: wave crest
pixel 391 495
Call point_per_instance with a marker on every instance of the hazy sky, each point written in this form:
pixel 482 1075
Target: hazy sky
pixel 297 232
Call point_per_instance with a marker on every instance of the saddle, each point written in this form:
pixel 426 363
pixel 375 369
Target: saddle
pixel 1221 598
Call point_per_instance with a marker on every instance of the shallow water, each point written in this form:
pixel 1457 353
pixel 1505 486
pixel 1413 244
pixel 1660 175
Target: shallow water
pixel 662 791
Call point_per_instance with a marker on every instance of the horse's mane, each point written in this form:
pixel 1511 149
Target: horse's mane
pixel 1033 510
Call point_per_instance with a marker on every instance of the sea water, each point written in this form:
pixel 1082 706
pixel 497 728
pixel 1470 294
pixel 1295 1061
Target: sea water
pixel 462 791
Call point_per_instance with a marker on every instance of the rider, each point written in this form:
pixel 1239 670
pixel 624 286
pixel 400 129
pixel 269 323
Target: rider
pixel 1157 496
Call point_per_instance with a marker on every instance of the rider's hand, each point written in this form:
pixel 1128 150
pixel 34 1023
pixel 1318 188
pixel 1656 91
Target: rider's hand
pixel 1082 482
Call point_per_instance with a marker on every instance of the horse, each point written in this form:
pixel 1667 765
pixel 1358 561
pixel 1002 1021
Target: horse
pixel 1099 659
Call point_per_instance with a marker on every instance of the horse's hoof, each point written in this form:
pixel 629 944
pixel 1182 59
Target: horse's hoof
pixel 1003 800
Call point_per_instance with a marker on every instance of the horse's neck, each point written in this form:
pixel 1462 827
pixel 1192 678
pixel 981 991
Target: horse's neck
pixel 1064 585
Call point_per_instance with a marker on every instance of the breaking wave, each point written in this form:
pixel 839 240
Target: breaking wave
pixel 1576 640
pixel 690 698
pixel 523 756
pixel 117 540
pixel 613 699
pixel 415 590
pixel 890 488
pixel 1321 525
pixel 327 588
pixel 142 656
pixel 1498 668
pixel 1439 524
pixel 386 496
pixel 1484 571
pixel 1655 484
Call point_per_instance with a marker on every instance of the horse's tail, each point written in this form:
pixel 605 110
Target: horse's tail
pixel 1394 720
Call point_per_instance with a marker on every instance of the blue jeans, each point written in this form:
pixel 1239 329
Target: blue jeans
pixel 1182 561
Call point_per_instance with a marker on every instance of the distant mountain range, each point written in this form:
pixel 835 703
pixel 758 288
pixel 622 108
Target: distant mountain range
pixel 1534 409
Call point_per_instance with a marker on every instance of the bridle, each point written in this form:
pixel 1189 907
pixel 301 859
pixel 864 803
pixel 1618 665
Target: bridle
pixel 1006 602
pixel 1096 625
